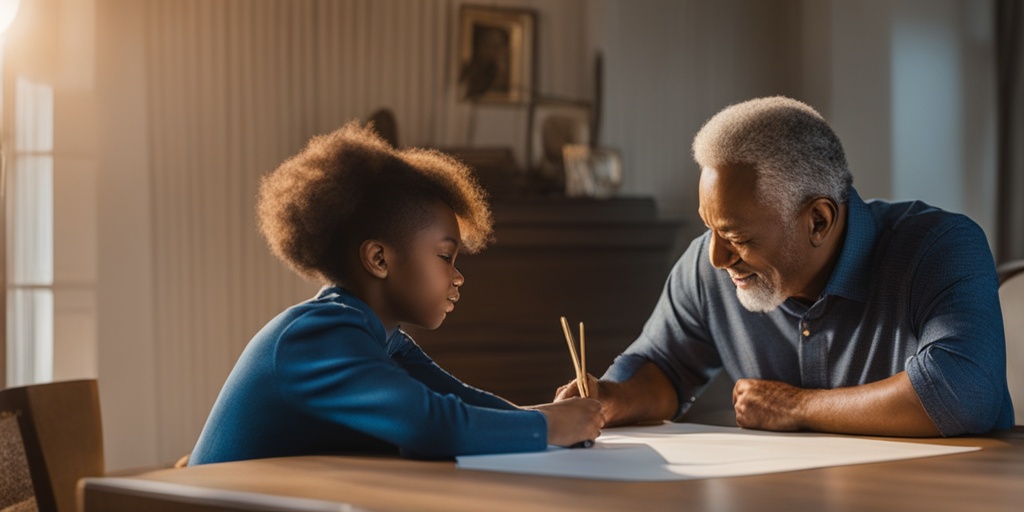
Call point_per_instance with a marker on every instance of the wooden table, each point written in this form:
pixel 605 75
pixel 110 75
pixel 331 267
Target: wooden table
pixel 991 479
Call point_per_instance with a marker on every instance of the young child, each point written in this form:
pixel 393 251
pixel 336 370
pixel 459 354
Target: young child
pixel 382 227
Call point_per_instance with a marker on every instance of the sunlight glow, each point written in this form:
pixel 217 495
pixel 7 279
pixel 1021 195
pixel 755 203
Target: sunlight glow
pixel 8 10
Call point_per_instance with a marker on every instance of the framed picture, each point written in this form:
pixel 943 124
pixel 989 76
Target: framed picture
pixel 495 61
pixel 553 124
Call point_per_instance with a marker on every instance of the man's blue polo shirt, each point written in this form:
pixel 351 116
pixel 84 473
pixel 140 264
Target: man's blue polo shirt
pixel 914 289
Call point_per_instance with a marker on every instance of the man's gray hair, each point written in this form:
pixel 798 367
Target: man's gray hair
pixel 796 155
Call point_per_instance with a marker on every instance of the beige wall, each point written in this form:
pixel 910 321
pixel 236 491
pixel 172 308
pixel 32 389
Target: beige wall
pixel 907 85
pixel 670 65
pixel 126 291
pixel 150 252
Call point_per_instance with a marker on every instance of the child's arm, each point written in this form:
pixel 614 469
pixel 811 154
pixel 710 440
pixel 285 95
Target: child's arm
pixel 411 357
pixel 330 365
pixel 565 420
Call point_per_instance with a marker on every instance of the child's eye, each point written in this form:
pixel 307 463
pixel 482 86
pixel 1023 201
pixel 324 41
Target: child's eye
pixel 445 257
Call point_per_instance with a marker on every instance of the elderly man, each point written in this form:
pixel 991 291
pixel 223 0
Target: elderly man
pixel 833 314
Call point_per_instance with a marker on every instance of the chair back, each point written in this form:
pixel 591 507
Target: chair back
pixel 1011 299
pixel 51 435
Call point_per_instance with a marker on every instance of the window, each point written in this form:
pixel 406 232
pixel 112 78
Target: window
pixel 30 236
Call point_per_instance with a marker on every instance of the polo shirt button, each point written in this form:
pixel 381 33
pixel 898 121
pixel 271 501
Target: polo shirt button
pixel 807 331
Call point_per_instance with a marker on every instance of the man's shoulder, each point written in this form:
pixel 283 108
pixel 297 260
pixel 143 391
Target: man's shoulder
pixel 916 222
pixel 917 241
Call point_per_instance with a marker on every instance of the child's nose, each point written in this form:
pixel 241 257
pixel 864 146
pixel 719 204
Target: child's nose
pixel 459 278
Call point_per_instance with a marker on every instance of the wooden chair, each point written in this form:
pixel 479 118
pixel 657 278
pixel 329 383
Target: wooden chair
pixel 50 437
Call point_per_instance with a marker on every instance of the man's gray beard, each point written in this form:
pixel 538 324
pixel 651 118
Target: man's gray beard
pixel 761 296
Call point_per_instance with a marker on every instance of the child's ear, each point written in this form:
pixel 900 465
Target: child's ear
pixel 371 256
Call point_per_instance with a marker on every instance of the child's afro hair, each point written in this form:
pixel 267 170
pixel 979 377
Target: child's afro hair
pixel 349 186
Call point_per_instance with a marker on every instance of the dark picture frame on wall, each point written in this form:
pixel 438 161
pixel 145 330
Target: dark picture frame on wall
pixel 496 54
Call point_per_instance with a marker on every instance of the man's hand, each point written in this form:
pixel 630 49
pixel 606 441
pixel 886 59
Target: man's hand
pixel 768 404
pixel 571 390
pixel 888 407
pixel 647 397
pixel 573 420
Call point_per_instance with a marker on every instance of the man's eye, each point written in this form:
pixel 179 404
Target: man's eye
pixel 739 242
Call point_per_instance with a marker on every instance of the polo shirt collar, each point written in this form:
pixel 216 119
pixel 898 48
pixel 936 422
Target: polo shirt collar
pixel 852 274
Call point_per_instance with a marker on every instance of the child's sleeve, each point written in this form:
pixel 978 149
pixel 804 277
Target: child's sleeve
pixel 411 357
pixel 329 364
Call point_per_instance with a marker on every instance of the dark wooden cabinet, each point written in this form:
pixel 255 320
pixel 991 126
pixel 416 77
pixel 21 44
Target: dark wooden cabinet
pixel 602 262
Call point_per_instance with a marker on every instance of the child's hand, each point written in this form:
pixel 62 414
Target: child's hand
pixel 573 420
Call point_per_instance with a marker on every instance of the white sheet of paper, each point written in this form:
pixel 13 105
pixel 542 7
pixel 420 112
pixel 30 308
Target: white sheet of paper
pixel 686 451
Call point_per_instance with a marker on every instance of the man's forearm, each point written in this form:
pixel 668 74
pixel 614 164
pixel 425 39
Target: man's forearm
pixel 889 407
pixel 645 397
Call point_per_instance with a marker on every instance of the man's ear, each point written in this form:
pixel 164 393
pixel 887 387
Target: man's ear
pixel 822 215
pixel 372 258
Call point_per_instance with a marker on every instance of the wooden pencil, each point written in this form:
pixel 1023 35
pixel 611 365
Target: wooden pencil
pixel 572 353
pixel 583 363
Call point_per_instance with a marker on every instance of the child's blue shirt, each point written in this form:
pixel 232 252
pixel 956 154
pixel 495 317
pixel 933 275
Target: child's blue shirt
pixel 323 377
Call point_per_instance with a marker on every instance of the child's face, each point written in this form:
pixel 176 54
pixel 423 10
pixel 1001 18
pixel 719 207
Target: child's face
pixel 423 283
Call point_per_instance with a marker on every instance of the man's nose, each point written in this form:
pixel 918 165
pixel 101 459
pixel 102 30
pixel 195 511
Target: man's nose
pixel 720 252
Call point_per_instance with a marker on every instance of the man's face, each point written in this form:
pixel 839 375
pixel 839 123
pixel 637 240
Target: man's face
pixel 756 244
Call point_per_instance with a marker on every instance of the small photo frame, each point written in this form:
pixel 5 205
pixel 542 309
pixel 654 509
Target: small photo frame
pixel 553 124
pixel 591 172
pixel 495 61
